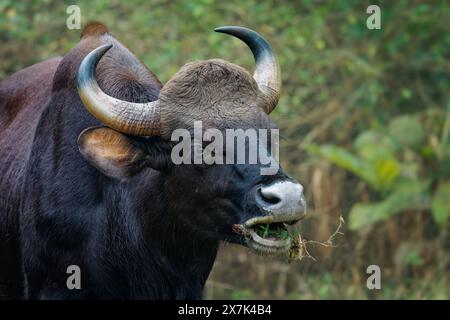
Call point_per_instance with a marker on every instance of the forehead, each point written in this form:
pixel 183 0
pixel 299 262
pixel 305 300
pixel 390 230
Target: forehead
pixel 216 92
pixel 213 77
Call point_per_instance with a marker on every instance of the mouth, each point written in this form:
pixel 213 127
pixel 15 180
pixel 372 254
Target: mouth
pixel 265 236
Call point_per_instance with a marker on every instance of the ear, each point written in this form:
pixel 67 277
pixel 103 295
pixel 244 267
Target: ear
pixel 111 152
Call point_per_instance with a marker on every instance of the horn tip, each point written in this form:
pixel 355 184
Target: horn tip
pixel 219 29
pixel 227 29
pixel 100 51
pixel 106 47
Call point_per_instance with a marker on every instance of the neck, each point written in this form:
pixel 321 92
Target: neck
pixel 154 255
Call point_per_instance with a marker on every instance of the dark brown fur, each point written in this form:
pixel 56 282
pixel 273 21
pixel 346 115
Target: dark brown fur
pixel 154 231
pixel 23 96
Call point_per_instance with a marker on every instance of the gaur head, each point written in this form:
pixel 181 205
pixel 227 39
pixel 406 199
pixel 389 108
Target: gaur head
pixel 220 199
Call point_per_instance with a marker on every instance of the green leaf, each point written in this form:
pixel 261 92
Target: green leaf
pixel 406 93
pixel 380 172
pixel 346 160
pixel 407 195
pixel 387 171
pixel 414 259
pixel 372 145
pixel 362 215
pixel 407 131
pixel 441 203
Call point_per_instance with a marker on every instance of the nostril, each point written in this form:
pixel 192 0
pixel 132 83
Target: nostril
pixel 269 197
pixel 283 200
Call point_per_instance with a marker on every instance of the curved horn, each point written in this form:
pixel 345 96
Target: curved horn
pixel 140 119
pixel 267 71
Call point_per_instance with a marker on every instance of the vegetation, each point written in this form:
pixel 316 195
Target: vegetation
pixel 267 231
pixel 365 119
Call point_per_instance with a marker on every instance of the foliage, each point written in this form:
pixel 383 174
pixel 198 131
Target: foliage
pixel 390 160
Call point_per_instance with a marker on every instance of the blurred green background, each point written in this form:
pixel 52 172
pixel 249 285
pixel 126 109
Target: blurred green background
pixel 364 116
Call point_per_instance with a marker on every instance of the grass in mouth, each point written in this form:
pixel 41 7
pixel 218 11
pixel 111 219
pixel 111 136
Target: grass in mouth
pixel 299 246
pixel 299 249
pixel 272 231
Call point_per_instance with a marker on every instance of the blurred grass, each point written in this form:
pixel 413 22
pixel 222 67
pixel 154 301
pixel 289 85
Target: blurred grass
pixel 363 113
